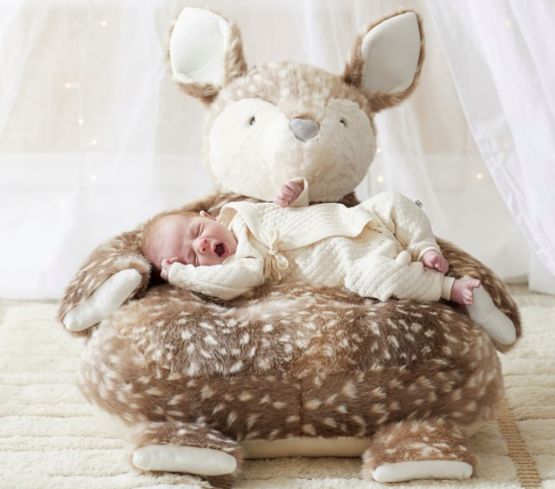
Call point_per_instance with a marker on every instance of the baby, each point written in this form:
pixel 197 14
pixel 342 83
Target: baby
pixel 382 248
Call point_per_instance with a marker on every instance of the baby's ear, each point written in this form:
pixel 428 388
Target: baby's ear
pixel 386 60
pixel 205 214
pixel 206 52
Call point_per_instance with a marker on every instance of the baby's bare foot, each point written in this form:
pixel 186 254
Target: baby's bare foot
pixel 462 291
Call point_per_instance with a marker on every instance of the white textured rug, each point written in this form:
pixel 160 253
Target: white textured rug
pixel 49 437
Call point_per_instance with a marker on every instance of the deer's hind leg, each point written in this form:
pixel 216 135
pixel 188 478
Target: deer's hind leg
pixel 432 449
pixel 191 448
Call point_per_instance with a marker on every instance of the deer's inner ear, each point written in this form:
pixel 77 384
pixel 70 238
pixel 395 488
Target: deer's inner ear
pixel 387 60
pixel 205 52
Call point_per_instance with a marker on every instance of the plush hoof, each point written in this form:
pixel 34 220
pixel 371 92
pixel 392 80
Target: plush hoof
pixel 423 469
pixel 495 323
pixel 105 300
pixel 190 460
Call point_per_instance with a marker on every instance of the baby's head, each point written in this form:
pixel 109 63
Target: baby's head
pixel 195 239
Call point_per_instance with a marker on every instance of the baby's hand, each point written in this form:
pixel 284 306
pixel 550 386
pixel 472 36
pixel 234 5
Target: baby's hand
pixel 166 265
pixel 288 193
pixel 434 259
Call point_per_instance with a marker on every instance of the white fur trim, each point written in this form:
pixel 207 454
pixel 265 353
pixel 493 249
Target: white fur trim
pixel 191 460
pixel 391 49
pixel 105 300
pixel 198 44
pixel 425 469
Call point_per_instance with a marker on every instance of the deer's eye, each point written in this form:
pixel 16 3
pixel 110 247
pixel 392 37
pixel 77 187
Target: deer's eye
pixel 252 121
pixel 343 121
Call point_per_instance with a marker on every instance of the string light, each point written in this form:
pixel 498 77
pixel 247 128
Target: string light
pixel 94 142
pixel 103 23
pixel 92 178
pixel 508 24
pixel 378 150
pixel 69 85
pixel 80 121
pixel 479 176
pixel 62 202
pixel 380 178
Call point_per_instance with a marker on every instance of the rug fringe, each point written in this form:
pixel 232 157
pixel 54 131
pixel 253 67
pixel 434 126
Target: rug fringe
pixel 526 469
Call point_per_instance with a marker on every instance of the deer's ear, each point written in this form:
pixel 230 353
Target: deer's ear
pixel 206 52
pixel 386 60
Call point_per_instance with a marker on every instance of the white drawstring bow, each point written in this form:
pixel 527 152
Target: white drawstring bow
pixel 274 263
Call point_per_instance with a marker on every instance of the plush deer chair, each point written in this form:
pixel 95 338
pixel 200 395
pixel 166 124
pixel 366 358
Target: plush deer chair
pixel 199 384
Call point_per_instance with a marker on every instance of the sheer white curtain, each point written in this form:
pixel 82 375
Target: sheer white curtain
pixel 503 64
pixel 426 149
pixel 83 148
pixel 95 137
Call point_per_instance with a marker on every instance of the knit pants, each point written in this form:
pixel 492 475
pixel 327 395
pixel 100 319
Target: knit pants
pixel 380 277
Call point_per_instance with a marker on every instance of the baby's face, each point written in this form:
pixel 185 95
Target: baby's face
pixel 195 240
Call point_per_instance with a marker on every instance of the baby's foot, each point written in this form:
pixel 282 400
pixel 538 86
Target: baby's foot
pixel 462 291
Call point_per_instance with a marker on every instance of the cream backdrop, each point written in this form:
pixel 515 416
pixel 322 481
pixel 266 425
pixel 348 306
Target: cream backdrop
pixel 95 136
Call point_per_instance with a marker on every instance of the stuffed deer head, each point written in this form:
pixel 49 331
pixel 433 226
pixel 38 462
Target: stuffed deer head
pixel 275 122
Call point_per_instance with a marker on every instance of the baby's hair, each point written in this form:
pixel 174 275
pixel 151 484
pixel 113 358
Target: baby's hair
pixel 151 236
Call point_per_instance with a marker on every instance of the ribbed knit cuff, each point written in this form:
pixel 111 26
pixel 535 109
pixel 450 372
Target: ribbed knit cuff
pixel 176 275
pixel 302 199
pixel 421 249
pixel 446 287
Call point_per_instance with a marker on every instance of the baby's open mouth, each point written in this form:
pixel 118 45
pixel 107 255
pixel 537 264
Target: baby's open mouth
pixel 219 249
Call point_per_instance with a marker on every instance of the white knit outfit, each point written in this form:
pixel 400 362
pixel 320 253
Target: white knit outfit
pixel 372 249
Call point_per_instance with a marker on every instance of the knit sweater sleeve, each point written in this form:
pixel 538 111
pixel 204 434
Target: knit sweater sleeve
pixel 406 221
pixel 302 200
pixel 226 281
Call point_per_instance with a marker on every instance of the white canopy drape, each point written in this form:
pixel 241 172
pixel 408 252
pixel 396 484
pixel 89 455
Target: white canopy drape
pixel 95 136
pixel 501 56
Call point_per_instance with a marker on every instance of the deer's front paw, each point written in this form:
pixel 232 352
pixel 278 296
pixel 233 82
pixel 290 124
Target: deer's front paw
pixel 105 300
